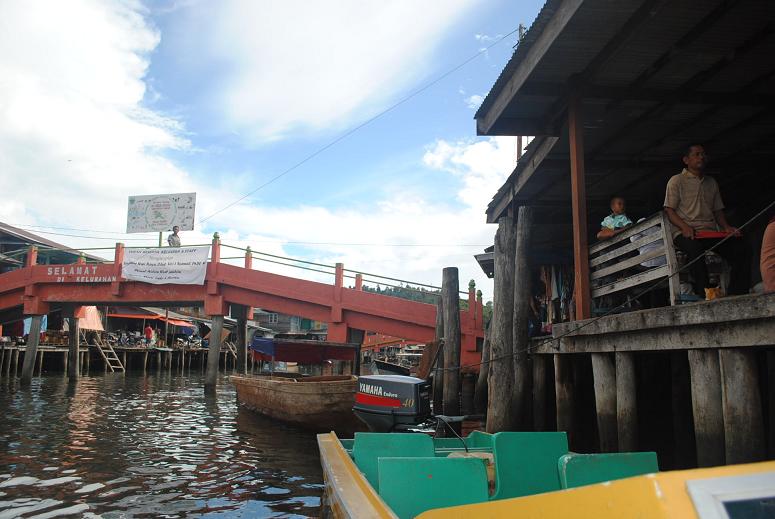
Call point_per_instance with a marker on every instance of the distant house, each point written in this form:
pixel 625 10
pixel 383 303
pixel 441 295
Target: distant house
pixel 283 323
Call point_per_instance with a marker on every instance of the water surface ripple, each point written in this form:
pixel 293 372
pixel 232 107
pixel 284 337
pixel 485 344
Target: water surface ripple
pixel 133 446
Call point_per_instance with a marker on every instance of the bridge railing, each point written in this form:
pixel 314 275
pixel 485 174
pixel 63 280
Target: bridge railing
pixel 30 255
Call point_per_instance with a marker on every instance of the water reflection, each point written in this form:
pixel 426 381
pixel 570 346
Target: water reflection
pixel 119 446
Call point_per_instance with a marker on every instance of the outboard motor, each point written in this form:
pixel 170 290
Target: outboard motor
pixel 386 403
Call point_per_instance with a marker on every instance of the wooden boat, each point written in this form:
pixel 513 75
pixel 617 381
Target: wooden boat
pixel 505 475
pixel 322 403
pixel 316 403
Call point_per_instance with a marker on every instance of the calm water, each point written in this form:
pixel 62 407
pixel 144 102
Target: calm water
pixel 129 446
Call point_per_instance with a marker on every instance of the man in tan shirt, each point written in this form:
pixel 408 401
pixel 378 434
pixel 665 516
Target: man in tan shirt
pixel 693 203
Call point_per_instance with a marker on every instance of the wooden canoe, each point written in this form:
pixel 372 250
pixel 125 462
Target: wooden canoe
pixel 321 404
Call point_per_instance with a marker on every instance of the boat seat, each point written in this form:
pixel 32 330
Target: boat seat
pixel 577 470
pixel 526 462
pixel 411 486
pixel 369 447
pixel 477 441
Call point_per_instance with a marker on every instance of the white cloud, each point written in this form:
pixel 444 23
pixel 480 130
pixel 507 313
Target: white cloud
pixel 473 102
pixel 295 66
pixel 76 140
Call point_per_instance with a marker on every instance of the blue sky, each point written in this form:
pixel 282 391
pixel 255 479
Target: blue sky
pixel 135 98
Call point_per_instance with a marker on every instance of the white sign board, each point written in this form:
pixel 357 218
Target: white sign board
pixel 180 265
pixel 161 212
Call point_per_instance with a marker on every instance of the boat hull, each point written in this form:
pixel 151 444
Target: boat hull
pixel 321 404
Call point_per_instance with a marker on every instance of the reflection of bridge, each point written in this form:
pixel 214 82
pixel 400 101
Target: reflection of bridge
pixel 33 290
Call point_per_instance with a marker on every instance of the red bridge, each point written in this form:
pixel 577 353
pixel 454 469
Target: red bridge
pixel 33 290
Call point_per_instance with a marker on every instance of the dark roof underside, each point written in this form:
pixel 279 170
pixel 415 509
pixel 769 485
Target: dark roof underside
pixel 654 76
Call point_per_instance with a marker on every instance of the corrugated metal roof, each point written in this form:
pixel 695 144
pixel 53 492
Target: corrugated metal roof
pixel 657 75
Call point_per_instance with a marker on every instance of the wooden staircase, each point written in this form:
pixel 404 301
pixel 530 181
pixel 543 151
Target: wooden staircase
pixel 112 361
pixel 231 347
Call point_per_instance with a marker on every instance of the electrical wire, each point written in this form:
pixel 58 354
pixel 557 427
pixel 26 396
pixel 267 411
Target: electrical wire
pixel 361 125
pixel 589 322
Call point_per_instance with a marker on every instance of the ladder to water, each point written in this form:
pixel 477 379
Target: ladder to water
pixel 108 355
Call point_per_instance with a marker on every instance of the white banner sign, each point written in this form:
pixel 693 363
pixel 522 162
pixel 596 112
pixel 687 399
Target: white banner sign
pixel 180 265
pixel 161 213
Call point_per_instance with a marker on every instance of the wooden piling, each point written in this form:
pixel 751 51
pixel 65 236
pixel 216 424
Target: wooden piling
pixel 540 385
pixel 742 406
pixel 771 404
pixel 31 350
pixel 73 348
pixel 450 297
pixel 564 394
pixel 682 413
pixel 145 361
pixel 480 392
pixel 240 312
pixel 520 401
pixel 438 373
pixel 87 359
pixel 15 360
pixel 604 378
pixel 500 378
pixel 706 406
pixel 214 349
pixel 626 403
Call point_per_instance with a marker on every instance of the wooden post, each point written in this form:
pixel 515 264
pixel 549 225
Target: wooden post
pixel 480 392
pixel 520 401
pixel 213 354
pixel 706 407
pixel 31 350
pixel 771 403
pixel 73 347
pixel 626 403
pixel 564 394
pixel 501 377
pixel 438 373
pixel 450 289
pixel 240 312
pixel 604 375
pixel 539 392
pixel 579 207
pixel 681 404
pixel 742 406
pixel 40 363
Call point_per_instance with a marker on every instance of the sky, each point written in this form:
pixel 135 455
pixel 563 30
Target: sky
pixel 103 100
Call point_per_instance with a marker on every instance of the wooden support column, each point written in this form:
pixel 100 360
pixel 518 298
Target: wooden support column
pixel 626 403
pixel 450 289
pixel 604 375
pixel 501 376
pixel 771 404
pixel 240 313
pixel 685 446
pixel 480 392
pixel 742 406
pixel 213 354
pixel 31 351
pixel 706 407
pixel 438 373
pixel 540 384
pixel 520 396
pixel 564 394
pixel 73 348
pixel 579 207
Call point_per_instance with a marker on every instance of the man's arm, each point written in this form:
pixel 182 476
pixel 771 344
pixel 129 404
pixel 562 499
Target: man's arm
pixel 605 233
pixel 686 231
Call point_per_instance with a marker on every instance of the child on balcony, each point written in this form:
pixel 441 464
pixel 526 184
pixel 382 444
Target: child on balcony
pixel 615 222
